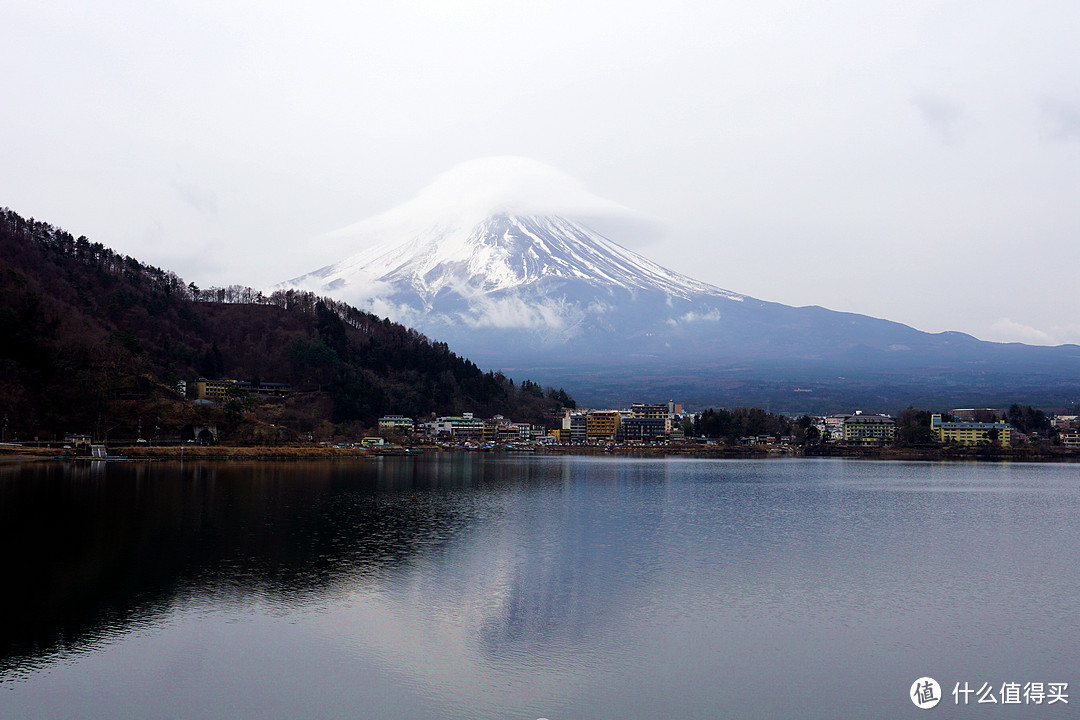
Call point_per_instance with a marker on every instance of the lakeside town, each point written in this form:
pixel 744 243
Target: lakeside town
pixel 660 424
pixel 642 428
pixel 666 424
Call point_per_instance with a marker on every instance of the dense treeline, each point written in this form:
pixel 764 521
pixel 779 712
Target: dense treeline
pixel 913 427
pixel 742 422
pixel 1028 420
pixel 95 341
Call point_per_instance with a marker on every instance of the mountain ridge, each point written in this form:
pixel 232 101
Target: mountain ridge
pixel 93 341
pixel 541 292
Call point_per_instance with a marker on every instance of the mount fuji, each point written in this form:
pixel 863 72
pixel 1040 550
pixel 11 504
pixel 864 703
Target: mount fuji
pixel 509 261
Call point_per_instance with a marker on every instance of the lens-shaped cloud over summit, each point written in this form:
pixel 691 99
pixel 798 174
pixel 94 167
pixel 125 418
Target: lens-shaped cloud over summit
pixel 502 185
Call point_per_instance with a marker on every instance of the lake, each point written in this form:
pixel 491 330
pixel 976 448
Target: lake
pixel 501 586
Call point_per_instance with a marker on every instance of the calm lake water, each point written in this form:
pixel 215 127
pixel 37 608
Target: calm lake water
pixel 483 586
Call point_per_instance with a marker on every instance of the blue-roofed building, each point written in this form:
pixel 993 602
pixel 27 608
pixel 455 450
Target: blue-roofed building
pixel 971 433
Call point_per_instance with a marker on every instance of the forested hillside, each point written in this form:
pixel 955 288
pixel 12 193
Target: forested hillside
pixel 94 341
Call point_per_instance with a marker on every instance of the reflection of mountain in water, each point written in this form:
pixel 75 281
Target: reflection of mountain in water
pixel 107 547
pixel 101 547
pixel 577 564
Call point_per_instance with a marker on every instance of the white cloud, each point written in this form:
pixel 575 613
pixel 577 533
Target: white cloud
pixel 779 138
pixel 512 312
pixel 1007 330
pixel 1061 119
pixel 693 317
pixel 198 198
pixel 713 315
pixel 475 190
pixel 942 115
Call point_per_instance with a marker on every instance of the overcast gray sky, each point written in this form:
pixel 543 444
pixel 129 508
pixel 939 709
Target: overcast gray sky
pixel 918 161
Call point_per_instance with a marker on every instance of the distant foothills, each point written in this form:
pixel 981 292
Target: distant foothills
pixel 98 346
pixel 96 343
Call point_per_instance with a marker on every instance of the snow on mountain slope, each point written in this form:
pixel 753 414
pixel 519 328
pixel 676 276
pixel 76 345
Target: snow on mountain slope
pixel 499 242
pixel 502 252
pixel 505 259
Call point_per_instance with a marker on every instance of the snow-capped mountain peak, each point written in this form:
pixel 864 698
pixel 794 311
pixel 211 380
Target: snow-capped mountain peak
pixel 493 226
pixel 510 263
pixel 488 230
pixel 501 252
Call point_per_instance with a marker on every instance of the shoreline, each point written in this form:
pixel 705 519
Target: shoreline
pixel 1025 454
pixel 12 454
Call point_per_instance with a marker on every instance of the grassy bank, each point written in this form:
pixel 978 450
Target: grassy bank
pixel 16 453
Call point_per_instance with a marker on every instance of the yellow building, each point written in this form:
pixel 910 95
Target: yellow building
pixel 601 426
pixel 216 390
pixel 971 433
pixel 221 390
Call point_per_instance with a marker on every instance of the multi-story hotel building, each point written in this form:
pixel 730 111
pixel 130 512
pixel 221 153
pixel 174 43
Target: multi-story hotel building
pixel 971 433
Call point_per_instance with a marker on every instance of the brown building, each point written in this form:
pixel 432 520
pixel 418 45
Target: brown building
pixel 601 426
